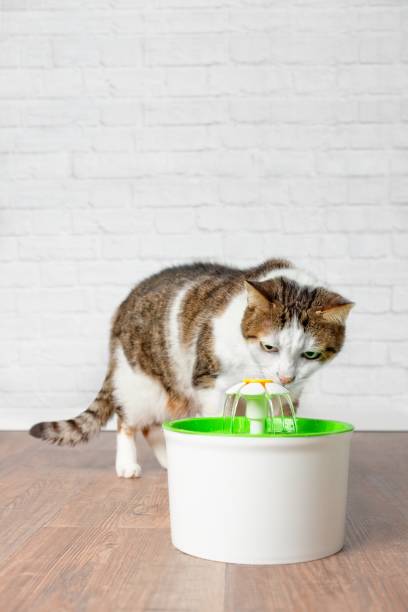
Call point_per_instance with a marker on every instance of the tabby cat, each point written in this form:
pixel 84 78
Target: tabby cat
pixel 186 334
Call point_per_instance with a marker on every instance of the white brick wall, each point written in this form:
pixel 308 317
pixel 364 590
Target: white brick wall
pixel 134 135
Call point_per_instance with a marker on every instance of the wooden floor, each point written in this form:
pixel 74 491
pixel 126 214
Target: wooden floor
pixel 75 537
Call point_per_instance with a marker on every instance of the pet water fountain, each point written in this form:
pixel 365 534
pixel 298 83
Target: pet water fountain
pixel 258 485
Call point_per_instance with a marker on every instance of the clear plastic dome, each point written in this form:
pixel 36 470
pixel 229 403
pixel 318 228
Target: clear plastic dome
pixel 266 406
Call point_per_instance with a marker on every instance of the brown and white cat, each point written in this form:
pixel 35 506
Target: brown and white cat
pixel 186 334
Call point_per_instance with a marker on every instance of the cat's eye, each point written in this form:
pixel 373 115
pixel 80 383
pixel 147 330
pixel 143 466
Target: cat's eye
pixel 311 355
pixel 269 348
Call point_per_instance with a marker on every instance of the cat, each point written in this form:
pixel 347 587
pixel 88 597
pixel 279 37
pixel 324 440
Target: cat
pixel 187 333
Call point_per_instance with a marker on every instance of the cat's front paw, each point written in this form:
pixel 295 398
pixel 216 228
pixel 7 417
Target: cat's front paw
pixel 128 470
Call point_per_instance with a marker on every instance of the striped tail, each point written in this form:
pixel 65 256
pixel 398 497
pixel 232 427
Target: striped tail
pixel 81 428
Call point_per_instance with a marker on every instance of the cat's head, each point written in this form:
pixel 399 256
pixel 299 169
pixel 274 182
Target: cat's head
pixel 293 329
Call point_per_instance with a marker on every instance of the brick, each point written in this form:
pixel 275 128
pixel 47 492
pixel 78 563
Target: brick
pixel 179 20
pixel 9 354
pixel 150 164
pixel 400 136
pixel 60 113
pixel 26 166
pixel 10 52
pixel 399 162
pixel 398 352
pixel 248 80
pixel 399 190
pixel 365 353
pixel 238 191
pixel 399 215
pixel 378 19
pixel 61 82
pixel 7 301
pixel 354 163
pixel 18 274
pixel 259 19
pixel 47 139
pixel 110 139
pixel 400 244
pixel 174 138
pixel 122 112
pixel 314 80
pixel 109 221
pixel 271 110
pixel 174 220
pixel 50 222
pixel 43 22
pixel 8 249
pixel 186 81
pixel 58 248
pixel 47 194
pixel 256 218
pixel 175 191
pixel 14 222
pixel 21 83
pixel 370 299
pixel 17 327
pixel 400 299
pixel 370 136
pixel 242 245
pixel 202 111
pixel 296 245
pixel 121 247
pixel 106 195
pixel 9 114
pixel 121 51
pixel 366 272
pixel 110 272
pixel 357 379
pixel 378 110
pixel 284 163
pixel 358 219
pixel 369 245
pixel 52 300
pixel 383 49
pixel 200 49
pixel 96 82
pixel 303 220
pixel 176 246
pixel 367 190
pixel 250 48
pixel 57 274
pixel 75 51
pixel 108 298
pixel 388 326
pixel 66 352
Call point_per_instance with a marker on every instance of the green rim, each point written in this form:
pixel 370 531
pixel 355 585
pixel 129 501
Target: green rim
pixel 218 426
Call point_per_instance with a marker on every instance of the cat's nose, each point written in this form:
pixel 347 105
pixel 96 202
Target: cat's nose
pixel 285 380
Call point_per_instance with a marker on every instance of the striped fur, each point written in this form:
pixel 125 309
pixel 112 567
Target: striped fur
pixel 184 335
pixel 82 427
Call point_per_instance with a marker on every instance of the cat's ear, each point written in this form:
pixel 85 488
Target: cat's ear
pixel 336 310
pixel 256 296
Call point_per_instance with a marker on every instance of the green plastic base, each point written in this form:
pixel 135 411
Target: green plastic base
pixel 220 426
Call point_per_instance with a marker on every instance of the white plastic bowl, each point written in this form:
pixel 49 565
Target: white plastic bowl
pixel 260 499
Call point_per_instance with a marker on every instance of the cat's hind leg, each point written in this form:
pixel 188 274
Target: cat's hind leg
pixel 126 452
pixel 155 438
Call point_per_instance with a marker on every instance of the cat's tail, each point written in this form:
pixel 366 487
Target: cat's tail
pixel 82 427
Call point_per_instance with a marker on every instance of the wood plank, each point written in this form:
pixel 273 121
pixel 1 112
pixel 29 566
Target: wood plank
pixel 74 537
pixel 69 568
pixel 15 446
pixel 111 502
